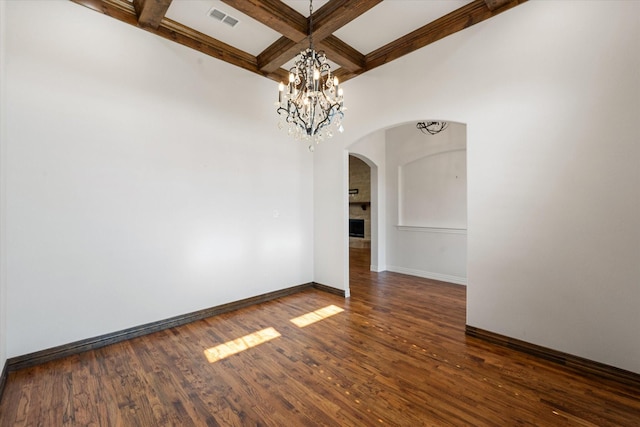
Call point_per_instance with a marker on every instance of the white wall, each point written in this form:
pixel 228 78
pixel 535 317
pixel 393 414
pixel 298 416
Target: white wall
pixel 330 254
pixel 426 202
pixel 551 97
pixel 3 281
pixel 141 181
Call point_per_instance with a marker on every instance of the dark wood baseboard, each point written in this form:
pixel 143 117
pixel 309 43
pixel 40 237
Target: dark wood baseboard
pixel 329 289
pixel 577 364
pixel 3 378
pixel 43 356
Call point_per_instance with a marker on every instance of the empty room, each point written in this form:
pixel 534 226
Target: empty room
pixel 325 212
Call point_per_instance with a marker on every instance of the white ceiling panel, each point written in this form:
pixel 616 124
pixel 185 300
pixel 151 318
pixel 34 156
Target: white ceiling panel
pixel 249 35
pixel 392 19
pixel 382 24
pixel 302 6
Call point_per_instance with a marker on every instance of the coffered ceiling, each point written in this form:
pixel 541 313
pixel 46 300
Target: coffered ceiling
pixel 264 36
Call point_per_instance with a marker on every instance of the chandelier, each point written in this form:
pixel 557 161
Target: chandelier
pixel 432 128
pixel 312 103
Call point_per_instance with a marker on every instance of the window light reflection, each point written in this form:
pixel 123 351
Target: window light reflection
pixel 315 316
pixel 230 348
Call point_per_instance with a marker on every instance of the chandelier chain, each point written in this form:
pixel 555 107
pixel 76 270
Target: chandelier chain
pixel 311 24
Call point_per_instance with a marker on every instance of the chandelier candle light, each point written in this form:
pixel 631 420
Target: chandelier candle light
pixel 312 101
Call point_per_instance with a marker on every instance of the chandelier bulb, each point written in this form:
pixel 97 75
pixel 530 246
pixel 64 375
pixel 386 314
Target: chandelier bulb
pixel 280 91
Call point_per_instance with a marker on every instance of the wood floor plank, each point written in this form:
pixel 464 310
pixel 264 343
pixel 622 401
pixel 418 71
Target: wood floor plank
pixel 396 355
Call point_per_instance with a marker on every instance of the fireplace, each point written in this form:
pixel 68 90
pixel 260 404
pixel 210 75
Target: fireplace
pixel 356 227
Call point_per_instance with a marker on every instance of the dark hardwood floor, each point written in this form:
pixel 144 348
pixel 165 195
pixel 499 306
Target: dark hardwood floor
pixel 397 355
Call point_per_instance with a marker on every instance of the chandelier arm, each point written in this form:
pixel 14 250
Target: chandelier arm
pixel 432 128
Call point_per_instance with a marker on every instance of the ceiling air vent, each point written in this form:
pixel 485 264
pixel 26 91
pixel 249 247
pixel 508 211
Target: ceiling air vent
pixel 219 15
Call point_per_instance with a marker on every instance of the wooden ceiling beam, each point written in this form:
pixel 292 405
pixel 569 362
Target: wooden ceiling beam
pixel 275 15
pixel 117 9
pixel 336 14
pixel 280 51
pixel 280 75
pixel 284 49
pixel 294 27
pixel 459 19
pixel 342 54
pixel 151 12
pixel 330 17
pixel 343 74
pixel 495 4
pixel 281 18
pixel 168 29
pixel 208 45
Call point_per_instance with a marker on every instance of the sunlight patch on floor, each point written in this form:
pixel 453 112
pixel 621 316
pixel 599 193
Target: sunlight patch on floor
pixel 315 316
pixel 230 348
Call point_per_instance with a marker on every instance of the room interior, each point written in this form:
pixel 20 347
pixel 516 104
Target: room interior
pixel 143 179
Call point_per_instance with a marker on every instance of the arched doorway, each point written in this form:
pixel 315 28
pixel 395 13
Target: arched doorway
pixel 360 210
pixel 428 238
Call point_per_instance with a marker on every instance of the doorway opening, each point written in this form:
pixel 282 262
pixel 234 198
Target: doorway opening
pixel 359 213
pixel 417 202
